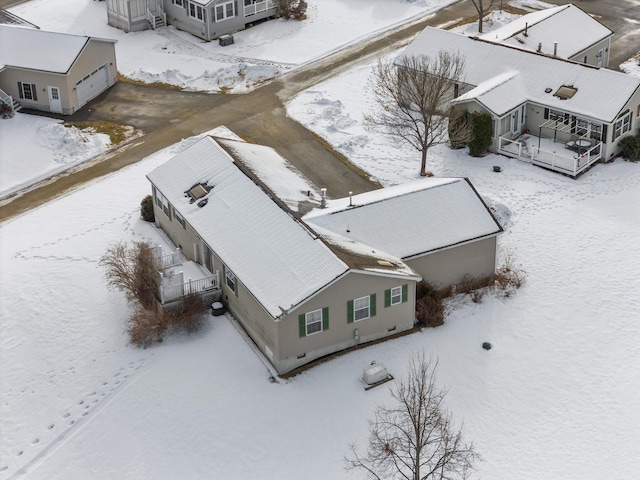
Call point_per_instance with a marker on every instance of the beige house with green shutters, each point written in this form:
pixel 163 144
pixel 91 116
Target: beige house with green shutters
pixel 305 276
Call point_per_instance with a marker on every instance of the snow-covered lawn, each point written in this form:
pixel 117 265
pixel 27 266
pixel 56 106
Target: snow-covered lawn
pixel 557 396
pixel 261 52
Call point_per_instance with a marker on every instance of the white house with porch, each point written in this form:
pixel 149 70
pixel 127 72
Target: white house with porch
pixel 550 111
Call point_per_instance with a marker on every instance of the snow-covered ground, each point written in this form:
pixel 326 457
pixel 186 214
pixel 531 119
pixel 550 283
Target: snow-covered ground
pixel 556 397
pixel 261 52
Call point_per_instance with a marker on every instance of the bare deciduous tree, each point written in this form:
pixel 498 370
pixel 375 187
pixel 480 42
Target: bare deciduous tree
pixel 482 7
pixel 413 99
pixel 292 9
pixel 132 269
pixel 415 439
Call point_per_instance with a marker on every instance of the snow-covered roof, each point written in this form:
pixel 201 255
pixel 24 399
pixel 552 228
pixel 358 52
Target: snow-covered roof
pixel 34 49
pixel 410 219
pixel 601 93
pixel 573 29
pixel 271 253
pixel 275 173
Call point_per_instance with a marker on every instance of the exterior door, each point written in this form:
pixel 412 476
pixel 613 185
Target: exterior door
pixel 55 103
pixel 92 85
pixel 515 123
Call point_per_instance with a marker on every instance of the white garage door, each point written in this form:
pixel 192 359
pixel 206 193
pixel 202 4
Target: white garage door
pixel 92 85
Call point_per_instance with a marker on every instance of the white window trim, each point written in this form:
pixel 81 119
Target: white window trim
pixel 366 299
pixel 399 295
pixel 32 95
pixel 309 320
pixel 622 125
pixel 224 16
pixel 230 277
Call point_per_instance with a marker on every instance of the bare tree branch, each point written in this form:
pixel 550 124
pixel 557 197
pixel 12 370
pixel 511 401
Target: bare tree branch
pixel 482 8
pixel 413 99
pixel 415 439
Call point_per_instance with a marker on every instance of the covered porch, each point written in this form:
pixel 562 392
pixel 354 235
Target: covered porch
pixel 180 277
pixel 571 157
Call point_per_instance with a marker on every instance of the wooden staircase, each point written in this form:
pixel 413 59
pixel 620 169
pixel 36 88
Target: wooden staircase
pixel 157 22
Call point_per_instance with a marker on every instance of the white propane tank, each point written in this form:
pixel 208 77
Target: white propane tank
pixel 374 373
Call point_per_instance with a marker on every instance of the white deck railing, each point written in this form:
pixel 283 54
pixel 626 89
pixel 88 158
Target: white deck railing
pixel 151 17
pixel 571 164
pixel 258 7
pixel 169 293
pixel 6 98
pixel 169 260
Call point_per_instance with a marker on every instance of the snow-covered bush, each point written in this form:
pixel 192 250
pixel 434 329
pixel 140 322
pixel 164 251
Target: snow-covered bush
pixel 630 148
pixel 146 209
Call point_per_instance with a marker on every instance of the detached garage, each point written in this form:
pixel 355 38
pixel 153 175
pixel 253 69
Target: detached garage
pixel 54 72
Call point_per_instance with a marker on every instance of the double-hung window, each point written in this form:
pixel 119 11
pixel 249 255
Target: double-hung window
pixel 27 91
pixel 230 279
pixel 163 203
pixel 396 295
pixel 178 2
pixel 225 10
pixel 312 322
pixel 179 218
pixel 622 125
pixel 361 308
pixel 196 11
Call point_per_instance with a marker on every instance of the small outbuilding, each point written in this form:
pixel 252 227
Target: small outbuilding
pixel 54 72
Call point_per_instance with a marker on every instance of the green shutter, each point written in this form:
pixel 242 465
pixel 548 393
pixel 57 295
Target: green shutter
pixel 325 318
pixel 604 133
pixel 372 305
pixel 387 298
pixel 546 113
pixel 350 311
pixel 302 325
pixel 405 292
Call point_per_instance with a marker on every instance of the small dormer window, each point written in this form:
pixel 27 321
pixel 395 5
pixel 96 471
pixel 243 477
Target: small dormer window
pixel 198 191
pixel 565 92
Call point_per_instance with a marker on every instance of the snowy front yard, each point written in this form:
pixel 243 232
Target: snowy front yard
pixel 556 397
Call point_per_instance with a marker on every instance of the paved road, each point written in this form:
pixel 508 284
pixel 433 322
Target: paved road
pixel 167 116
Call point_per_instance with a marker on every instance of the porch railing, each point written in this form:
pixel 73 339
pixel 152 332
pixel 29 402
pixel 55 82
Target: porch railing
pixel 7 99
pixel 559 162
pixel 258 7
pixel 169 293
pixel 159 12
pixel 169 260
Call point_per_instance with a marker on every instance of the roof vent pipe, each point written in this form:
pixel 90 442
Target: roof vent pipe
pixel 350 199
pixel 539 47
pixel 323 200
pixel 555 49
pixel 526 27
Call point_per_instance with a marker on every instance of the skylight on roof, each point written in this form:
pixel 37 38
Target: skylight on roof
pixel 198 191
pixel 565 92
